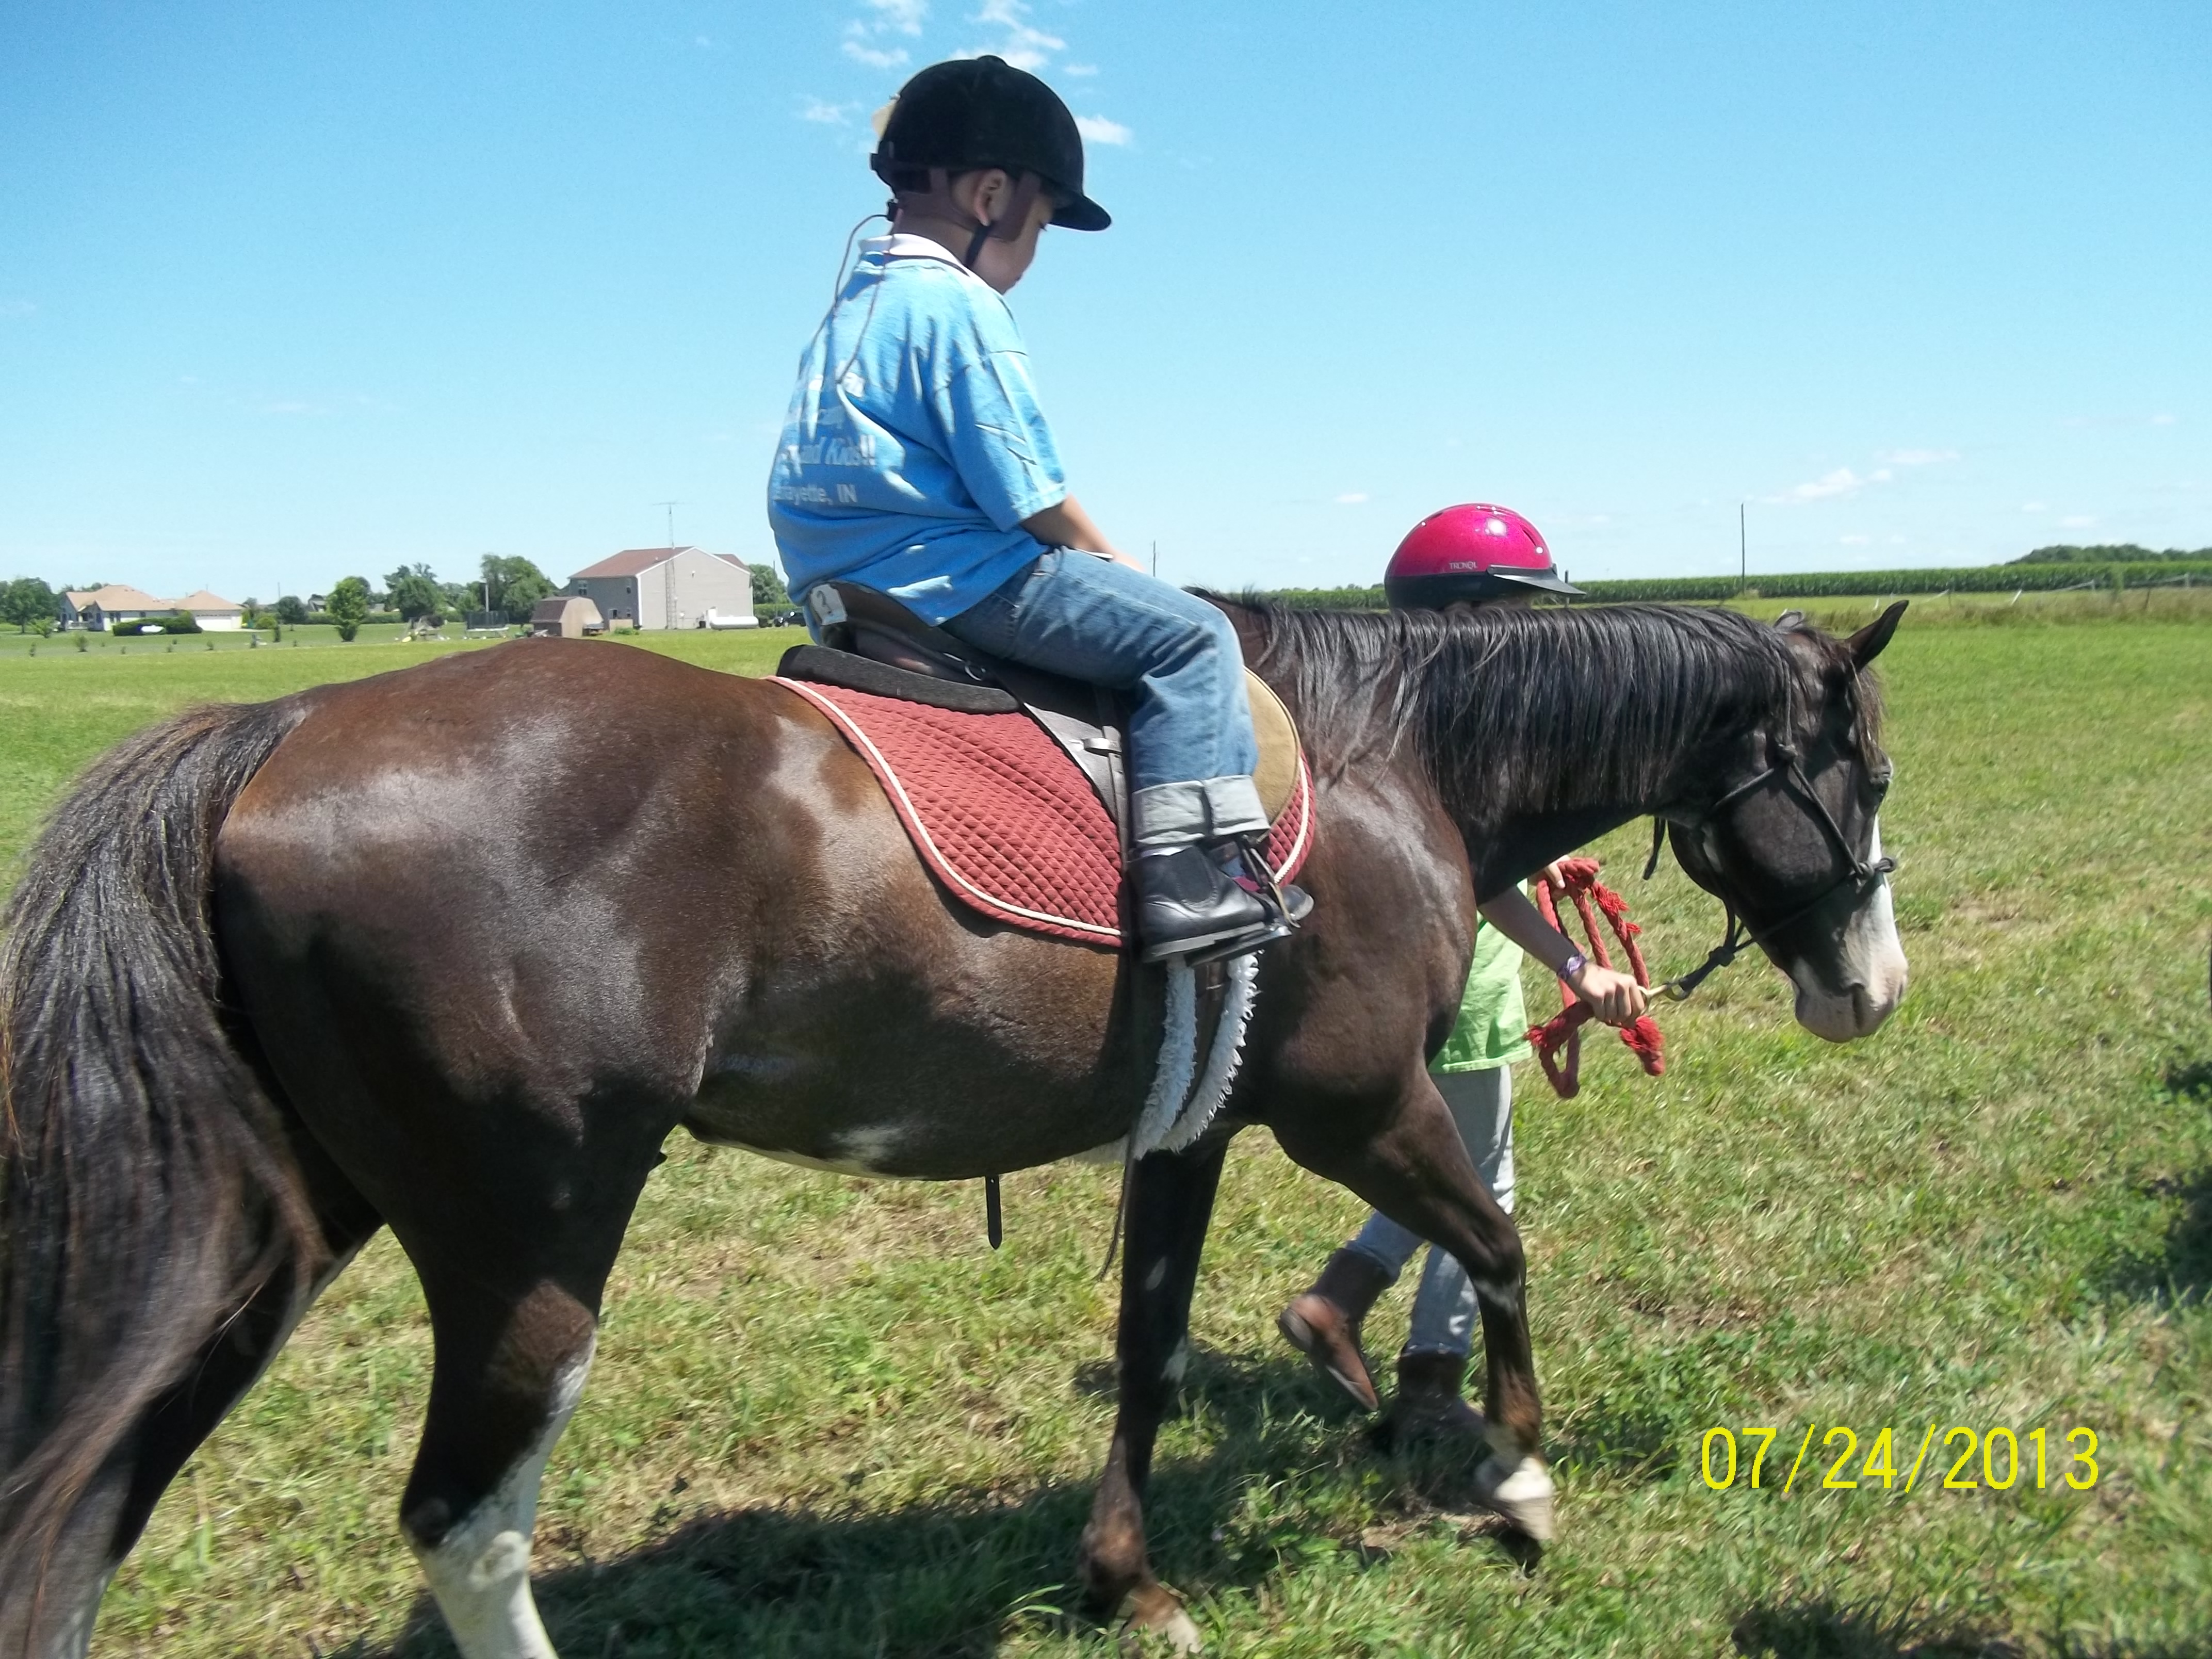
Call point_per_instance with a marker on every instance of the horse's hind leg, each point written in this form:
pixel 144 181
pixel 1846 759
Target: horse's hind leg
pixel 513 1277
pixel 509 1372
pixel 1170 1200
pixel 1416 1172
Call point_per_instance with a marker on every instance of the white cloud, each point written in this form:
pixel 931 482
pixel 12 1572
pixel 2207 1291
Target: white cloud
pixel 1352 498
pixel 2162 420
pixel 1079 69
pixel 2033 507
pixel 874 57
pixel 16 308
pixel 1100 131
pixel 905 16
pixel 1849 481
pixel 2076 521
pixel 828 114
pixel 1024 45
pixel 1841 482
pixel 1855 541
pixel 863 42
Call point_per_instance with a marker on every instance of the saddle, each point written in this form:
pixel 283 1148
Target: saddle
pixel 1000 824
pixel 872 643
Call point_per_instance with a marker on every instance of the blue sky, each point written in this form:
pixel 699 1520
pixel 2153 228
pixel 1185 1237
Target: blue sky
pixel 293 291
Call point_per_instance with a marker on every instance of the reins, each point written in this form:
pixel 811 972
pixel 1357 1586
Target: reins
pixel 1563 1030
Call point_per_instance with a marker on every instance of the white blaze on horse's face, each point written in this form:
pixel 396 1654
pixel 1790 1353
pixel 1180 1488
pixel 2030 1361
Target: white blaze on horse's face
pixel 1870 966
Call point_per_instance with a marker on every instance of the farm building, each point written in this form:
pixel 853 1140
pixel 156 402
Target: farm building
pixel 565 616
pixel 667 587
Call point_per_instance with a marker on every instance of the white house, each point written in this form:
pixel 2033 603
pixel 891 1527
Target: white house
pixel 667 587
pixel 100 608
pixel 117 606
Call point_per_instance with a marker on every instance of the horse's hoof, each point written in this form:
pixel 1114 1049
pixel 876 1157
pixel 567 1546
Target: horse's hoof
pixel 1522 1493
pixel 1155 1610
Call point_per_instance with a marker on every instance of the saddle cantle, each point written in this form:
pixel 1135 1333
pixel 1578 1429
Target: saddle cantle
pixel 972 754
pixel 872 643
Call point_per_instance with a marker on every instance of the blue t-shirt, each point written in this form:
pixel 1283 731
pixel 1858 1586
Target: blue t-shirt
pixel 914 446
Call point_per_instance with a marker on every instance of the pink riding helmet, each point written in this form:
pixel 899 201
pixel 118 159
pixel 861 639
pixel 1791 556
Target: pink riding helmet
pixel 1464 554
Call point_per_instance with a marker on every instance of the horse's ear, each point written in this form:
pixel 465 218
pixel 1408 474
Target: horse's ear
pixel 1866 645
pixel 1790 621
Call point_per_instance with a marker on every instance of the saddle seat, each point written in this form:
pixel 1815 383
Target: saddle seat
pixel 872 643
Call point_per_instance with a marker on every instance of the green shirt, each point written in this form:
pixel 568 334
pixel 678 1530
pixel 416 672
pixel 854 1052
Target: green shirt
pixel 1493 1022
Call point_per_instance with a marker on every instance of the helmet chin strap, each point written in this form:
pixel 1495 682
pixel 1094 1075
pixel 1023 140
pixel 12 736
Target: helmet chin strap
pixel 937 203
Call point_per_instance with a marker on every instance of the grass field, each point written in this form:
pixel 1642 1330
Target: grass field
pixel 827 1421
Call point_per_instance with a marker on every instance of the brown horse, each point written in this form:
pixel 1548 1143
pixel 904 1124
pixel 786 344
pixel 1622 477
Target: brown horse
pixel 234 1052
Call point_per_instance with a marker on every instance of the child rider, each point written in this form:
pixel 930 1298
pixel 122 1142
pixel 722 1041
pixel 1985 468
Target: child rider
pixel 915 461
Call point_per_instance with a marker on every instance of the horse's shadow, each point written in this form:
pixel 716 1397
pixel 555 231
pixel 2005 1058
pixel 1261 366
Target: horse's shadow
pixel 952 1576
pixel 2181 1272
pixel 1823 1629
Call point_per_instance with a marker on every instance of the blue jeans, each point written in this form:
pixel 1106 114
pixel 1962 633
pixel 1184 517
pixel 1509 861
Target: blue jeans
pixel 1444 1311
pixel 1191 750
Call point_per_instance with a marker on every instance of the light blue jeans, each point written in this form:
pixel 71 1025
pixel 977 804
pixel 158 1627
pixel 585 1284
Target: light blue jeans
pixel 1191 750
pixel 1444 1313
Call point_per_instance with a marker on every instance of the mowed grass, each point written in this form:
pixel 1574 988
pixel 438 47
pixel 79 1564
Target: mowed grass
pixel 827 1421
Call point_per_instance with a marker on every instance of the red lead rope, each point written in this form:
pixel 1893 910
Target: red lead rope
pixel 1564 1029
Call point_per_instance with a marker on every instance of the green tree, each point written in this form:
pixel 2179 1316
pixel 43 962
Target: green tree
pixel 414 592
pixel 516 585
pixel 349 605
pixel 769 592
pixel 291 608
pixel 24 600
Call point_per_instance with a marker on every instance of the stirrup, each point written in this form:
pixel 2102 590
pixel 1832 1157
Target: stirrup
pixel 1221 950
pixel 1291 905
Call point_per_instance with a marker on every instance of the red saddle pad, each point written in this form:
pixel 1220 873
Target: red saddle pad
pixel 1004 819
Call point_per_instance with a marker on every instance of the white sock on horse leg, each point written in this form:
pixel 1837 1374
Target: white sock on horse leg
pixel 480 1570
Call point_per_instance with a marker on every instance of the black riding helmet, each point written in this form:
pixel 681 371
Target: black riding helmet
pixel 983 112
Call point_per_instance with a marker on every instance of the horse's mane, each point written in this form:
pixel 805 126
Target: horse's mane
pixel 1492 698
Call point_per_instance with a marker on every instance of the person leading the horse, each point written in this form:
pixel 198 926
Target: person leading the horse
pixel 1472 555
pixel 915 461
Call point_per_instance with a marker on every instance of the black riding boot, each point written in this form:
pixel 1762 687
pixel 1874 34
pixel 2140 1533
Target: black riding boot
pixel 1188 903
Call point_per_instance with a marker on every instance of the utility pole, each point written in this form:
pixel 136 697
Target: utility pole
pixel 1742 551
pixel 1155 561
pixel 671 506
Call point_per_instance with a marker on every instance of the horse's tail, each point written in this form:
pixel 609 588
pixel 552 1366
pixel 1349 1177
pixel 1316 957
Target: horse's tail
pixel 147 1194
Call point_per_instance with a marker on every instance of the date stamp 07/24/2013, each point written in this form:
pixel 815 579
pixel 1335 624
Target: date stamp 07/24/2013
pixel 1971 1460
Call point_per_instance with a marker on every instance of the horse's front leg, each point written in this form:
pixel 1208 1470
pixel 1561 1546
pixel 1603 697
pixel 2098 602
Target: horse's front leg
pixel 1169 1199
pixel 1417 1171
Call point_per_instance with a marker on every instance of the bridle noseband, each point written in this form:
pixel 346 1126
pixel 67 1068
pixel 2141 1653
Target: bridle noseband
pixel 1857 872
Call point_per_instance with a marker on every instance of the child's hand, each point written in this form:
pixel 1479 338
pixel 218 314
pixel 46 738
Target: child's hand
pixel 1613 997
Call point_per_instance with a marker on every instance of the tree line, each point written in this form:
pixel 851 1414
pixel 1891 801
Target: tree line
pixel 2117 553
pixel 506 588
